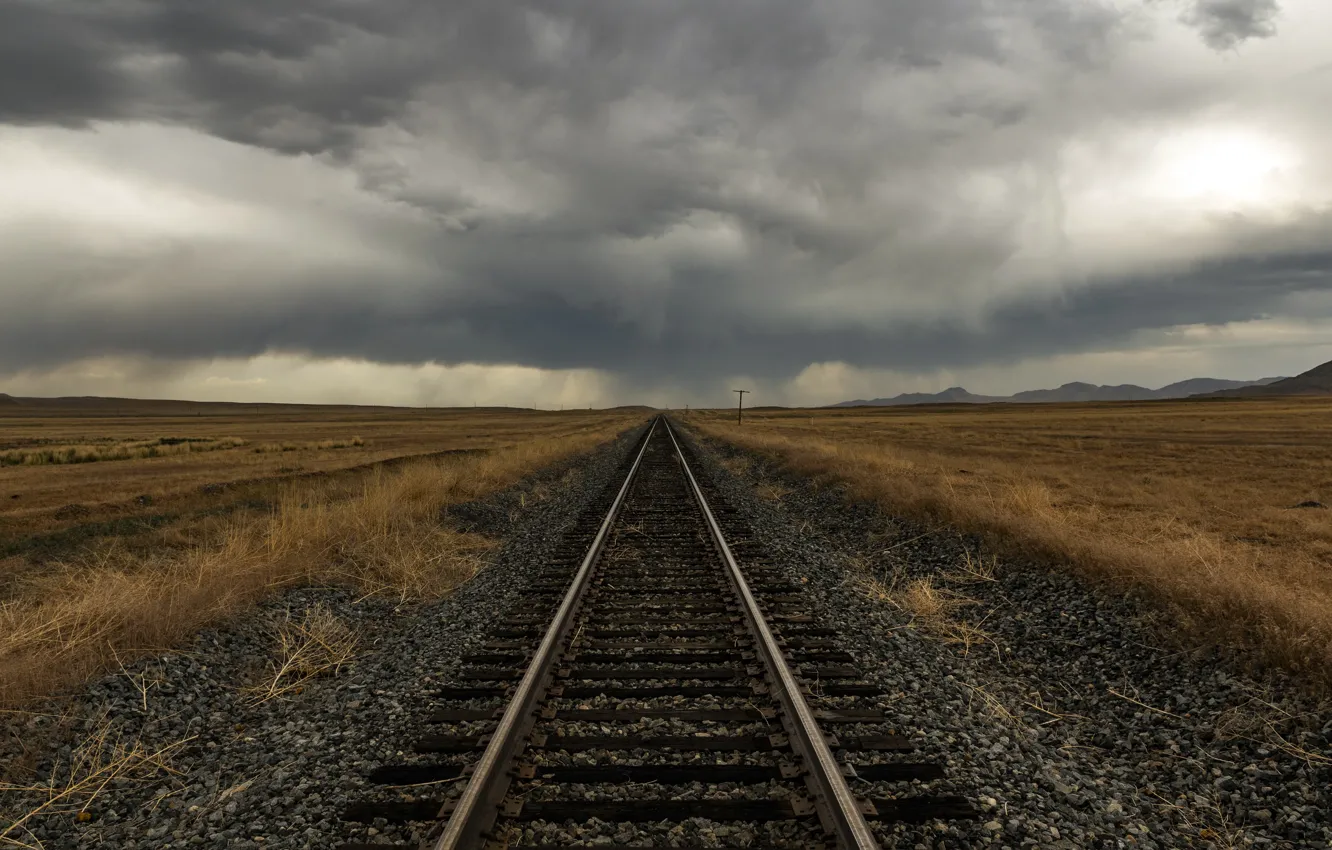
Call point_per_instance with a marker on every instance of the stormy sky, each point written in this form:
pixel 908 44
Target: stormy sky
pixel 615 201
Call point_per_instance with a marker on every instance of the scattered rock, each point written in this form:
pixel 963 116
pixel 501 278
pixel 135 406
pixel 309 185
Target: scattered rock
pixel 278 774
pixel 1050 757
pixel 143 500
pixel 1024 718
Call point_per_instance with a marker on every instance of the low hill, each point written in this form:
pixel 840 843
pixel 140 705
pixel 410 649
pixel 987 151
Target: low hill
pixel 1197 386
pixel 1316 381
pixel 1079 391
pixel 1071 392
pixel 952 395
pixel 7 400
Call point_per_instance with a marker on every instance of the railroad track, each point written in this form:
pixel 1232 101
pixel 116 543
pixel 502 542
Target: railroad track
pixel 653 677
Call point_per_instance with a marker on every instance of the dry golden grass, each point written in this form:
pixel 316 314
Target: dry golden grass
pixel 267 448
pixel 933 609
pixel 54 455
pixel 318 441
pixel 1192 502
pixel 382 532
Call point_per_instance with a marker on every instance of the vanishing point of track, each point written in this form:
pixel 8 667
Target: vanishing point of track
pixel 698 653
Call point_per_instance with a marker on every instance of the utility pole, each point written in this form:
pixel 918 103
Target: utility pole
pixel 740 407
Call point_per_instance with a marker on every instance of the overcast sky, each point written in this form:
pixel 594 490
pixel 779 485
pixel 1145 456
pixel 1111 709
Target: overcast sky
pixel 614 201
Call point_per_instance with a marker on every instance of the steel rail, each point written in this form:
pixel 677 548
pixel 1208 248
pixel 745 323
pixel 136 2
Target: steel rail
pixel 474 813
pixel 837 806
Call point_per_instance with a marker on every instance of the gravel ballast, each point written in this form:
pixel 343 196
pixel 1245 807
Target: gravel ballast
pixel 280 773
pixel 1074 722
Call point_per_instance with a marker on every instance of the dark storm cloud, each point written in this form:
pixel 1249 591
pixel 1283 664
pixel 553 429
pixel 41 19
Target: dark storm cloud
pixel 663 190
pixel 1224 24
pixel 54 67
pixel 556 331
pixel 241 67
pixel 236 68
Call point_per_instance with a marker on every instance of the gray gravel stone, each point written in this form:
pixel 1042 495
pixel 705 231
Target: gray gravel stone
pixel 279 774
pixel 1078 723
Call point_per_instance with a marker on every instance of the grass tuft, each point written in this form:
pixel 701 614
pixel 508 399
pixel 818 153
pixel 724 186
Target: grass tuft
pixel 127 450
pixel 320 644
pixel 311 445
pixel 772 491
pixel 933 609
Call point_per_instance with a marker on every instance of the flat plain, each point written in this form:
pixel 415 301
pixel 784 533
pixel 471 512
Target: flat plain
pixel 124 528
pixel 1214 508
pixel 225 444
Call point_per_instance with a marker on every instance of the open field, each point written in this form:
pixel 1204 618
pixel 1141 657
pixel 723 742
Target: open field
pixel 212 447
pixel 103 560
pixel 1192 502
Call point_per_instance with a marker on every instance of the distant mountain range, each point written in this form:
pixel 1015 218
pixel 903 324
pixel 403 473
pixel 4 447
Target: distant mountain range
pixel 1078 391
pixel 1316 381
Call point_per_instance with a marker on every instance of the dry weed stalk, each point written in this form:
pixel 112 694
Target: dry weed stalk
pixel 141 681
pixel 772 491
pixel 320 644
pixel 1140 704
pixel 1207 819
pixel 857 565
pixel 238 788
pixel 738 465
pixel 995 706
pixel 975 569
pixel 1260 721
pixel 100 758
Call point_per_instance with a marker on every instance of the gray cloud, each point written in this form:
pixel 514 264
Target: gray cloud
pixel 1224 24
pixel 241 68
pixel 503 321
pixel 663 191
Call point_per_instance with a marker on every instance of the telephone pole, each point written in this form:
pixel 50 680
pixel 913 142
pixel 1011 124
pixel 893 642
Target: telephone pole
pixel 740 406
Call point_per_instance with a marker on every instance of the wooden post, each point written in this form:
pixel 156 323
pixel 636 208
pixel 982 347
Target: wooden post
pixel 740 407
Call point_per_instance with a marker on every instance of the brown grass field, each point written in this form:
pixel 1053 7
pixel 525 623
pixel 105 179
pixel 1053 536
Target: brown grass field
pixel 110 551
pixel 1192 502
pixel 30 494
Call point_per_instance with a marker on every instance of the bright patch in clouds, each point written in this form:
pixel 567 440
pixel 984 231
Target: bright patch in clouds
pixel 1227 170
pixel 46 185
